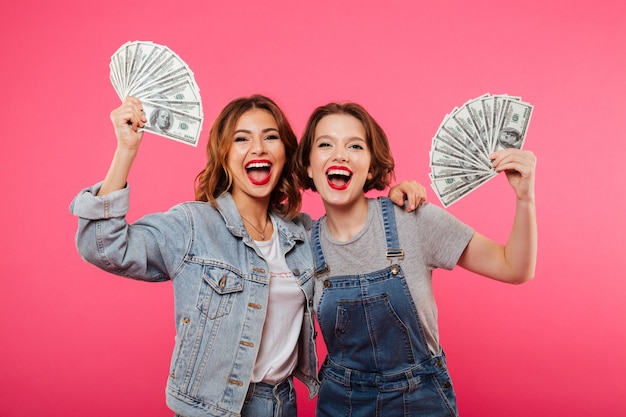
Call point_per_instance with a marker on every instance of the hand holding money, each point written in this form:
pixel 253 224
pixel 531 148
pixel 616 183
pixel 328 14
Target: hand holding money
pixel 160 79
pixel 462 148
pixel 128 120
pixel 519 167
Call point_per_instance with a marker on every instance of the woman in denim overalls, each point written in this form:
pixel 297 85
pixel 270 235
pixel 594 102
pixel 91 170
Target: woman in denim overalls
pixel 373 266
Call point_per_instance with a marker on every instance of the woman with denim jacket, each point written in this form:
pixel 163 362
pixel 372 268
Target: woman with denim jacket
pixel 239 340
pixel 373 287
pixel 239 259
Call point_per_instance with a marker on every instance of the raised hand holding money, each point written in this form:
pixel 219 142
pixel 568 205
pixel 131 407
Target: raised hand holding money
pixel 463 147
pixel 519 166
pixel 164 84
pixel 128 121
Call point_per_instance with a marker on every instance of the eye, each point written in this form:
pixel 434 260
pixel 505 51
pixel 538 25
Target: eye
pixel 272 137
pixel 357 147
pixel 323 145
pixel 240 139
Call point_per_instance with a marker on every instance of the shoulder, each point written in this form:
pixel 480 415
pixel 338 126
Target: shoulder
pixel 425 212
pixel 197 211
pixel 196 206
pixel 304 220
pixel 430 219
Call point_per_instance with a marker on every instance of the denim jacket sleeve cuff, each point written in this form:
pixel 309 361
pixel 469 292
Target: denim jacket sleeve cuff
pixel 88 205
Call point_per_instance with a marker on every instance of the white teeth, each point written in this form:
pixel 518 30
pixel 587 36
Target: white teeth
pixel 258 165
pixel 342 172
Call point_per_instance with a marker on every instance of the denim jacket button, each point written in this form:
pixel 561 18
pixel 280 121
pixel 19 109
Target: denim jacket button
pixel 296 272
pixel 326 283
pixel 236 382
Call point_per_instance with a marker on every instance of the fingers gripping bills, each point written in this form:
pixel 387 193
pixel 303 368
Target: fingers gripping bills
pixel 459 157
pixel 164 84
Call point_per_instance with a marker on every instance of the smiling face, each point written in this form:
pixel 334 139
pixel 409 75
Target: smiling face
pixel 256 156
pixel 339 159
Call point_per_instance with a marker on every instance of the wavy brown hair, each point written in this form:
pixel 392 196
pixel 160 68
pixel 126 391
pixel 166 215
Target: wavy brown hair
pixel 381 165
pixel 215 180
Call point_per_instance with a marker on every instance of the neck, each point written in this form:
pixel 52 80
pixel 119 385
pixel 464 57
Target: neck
pixel 253 209
pixel 345 221
pixel 255 216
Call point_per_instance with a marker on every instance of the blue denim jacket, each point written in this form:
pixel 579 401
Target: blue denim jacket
pixel 220 289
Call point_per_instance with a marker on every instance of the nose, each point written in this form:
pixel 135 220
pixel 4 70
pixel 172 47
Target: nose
pixel 340 155
pixel 257 146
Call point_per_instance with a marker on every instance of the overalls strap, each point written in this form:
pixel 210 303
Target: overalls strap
pixel 394 252
pixel 318 253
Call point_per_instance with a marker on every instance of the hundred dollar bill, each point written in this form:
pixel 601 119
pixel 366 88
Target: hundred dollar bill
pixel 513 125
pixel 487 104
pixel 126 63
pixel 151 84
pixel 448 186
pixel 499 101
pixel 141 54
pixel 477 115
pixel 451 126
pixel 151 62
pixel 441 152
pixel 464 119
pixel 192 108
pixel 183 90
pixel 456 196
pixel 172 124
pixel 444 172
pixel 147 53
pixel 453 189
pixel 116 66
pixel 172 70
pixel 457 142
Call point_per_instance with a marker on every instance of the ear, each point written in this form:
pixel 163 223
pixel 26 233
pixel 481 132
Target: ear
pixel 309 172
pixel 370 175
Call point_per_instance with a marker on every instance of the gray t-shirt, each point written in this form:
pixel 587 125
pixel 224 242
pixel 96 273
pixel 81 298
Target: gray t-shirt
pixel 430 237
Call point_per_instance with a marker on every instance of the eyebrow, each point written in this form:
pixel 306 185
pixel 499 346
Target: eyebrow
pixel 267 129
pixel 333 137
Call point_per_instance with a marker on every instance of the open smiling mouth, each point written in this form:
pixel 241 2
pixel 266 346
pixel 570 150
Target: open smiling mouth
pixel 338 177
pixel 259 172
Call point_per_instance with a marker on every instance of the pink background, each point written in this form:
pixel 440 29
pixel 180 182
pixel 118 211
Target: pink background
pixel 77 341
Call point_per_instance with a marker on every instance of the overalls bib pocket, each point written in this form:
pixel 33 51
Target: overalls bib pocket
pixel 389 336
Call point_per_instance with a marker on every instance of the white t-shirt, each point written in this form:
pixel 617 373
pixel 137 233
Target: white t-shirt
pixel 278 353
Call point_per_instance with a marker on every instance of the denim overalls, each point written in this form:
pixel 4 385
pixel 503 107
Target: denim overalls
pixel 378 361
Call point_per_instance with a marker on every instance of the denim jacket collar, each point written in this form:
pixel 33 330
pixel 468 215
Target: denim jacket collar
pixel 228 209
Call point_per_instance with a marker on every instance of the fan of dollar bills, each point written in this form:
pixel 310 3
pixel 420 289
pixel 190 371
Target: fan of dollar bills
pixel 164 84
pixel 459 158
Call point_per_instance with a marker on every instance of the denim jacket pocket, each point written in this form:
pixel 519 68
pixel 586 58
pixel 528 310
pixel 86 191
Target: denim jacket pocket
pixel 218 290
